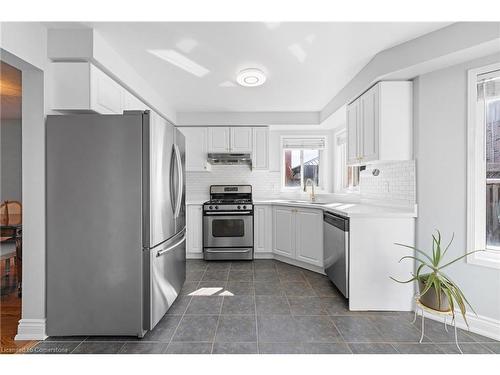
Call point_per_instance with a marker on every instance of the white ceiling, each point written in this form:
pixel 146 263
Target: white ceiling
pixel 307 63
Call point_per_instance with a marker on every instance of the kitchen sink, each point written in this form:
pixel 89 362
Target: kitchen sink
pixel 309 202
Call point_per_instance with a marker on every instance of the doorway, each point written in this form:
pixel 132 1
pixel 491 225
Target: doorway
pixel 10 205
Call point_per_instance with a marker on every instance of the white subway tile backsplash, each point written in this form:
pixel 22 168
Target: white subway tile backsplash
pixel 265 184
pixel 395 183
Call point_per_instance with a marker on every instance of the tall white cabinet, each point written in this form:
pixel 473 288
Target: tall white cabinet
pixel 379 124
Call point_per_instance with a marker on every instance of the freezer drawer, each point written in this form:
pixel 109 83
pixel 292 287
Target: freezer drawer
pixel 165 274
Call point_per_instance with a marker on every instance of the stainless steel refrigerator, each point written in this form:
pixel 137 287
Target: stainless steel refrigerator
pixel 115 222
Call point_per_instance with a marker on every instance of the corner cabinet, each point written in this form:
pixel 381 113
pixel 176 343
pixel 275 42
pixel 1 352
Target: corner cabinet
pixel 194 231
pixel 298 234
pixel 379 124
pixel 196 149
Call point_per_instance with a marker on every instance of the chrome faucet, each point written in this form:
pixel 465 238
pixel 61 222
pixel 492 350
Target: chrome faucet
pixel 309 180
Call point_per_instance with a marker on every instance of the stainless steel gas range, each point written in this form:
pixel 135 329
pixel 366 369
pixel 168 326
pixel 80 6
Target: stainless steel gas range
pixel 228 223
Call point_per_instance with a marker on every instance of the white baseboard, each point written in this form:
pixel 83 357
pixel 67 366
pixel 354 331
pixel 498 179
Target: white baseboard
pixel 481 325
pixel 263 255
pixel 300 264
pixel 194 255
pixel 31 329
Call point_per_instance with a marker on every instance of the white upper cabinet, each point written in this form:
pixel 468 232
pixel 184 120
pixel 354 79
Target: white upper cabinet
pixel 225 139
pixel 132 103
pixel 80 86
pixel 241 139
pixel 352 133
pixel 379 124
pixel 218 139
pixel 196 148
pixel 260 148
pixel 370 124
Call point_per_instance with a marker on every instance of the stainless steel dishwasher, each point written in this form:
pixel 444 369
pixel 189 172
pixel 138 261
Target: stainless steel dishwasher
pixel 336 250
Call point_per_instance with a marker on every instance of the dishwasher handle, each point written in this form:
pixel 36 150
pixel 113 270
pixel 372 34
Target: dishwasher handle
pixel 337 221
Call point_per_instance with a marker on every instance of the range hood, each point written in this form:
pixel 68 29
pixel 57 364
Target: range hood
pixel 229 159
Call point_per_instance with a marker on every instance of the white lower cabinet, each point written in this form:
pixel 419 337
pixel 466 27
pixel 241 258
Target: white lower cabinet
pixel 194 231
pixel 284 225
pixel 263 233
pixel 298 234
pixel 309 236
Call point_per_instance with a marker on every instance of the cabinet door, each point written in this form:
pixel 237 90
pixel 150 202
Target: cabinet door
pixel 260 148
pixel 262 229
pixel 241 140
pixel 106 94
pixel 369 124
pixel 352 133
pixel 218 139
pixel 284 227
pixel 309 236
pixel 196 148
pixel 194 229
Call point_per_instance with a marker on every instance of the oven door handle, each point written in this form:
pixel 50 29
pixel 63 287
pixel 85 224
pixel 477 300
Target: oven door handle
pixel 227 251
pixel 232 213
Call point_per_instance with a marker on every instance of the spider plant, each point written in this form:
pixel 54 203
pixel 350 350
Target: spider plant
pixel 430 273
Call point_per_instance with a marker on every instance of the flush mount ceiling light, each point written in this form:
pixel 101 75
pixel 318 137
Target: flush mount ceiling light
pixel 251 77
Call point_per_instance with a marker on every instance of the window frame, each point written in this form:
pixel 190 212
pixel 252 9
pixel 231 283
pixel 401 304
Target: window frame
pixel 476 176
pixel 339 169
pixel 322 165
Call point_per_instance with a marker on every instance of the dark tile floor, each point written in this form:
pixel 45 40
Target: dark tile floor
pixel 265 306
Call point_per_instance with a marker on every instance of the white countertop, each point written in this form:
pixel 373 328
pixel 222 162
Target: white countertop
pixel 349 209
pixel 356 209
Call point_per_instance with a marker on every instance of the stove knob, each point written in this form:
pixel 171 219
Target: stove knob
pixel 244 207
pixel 216 207
pixel 239 207
pixel 210 207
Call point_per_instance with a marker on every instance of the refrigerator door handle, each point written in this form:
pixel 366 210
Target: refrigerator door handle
pixel 180 182
pixel 172 197
pixel 170 248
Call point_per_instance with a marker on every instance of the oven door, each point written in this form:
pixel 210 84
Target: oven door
pixel 230 229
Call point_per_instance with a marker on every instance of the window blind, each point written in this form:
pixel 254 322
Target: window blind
pixel 312 143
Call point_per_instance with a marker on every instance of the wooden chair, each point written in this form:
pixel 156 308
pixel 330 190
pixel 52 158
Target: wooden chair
pixel 11 237
pixel 11 213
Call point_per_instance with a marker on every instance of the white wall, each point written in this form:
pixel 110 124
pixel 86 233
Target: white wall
pixel 23 45
pixel 440 152
pixel 10 146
